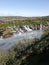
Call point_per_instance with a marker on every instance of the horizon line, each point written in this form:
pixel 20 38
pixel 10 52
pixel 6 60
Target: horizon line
pixel 21 16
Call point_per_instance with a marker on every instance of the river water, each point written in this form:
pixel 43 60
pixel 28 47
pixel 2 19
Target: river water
pixel 7 43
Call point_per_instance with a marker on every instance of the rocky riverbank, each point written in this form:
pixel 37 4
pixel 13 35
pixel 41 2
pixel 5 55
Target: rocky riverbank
pixel 12 30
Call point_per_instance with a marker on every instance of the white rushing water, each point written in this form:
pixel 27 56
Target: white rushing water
pixel 7 43
pixel 27 28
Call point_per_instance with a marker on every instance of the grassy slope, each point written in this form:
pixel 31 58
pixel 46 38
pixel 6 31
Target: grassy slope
pixel 41 58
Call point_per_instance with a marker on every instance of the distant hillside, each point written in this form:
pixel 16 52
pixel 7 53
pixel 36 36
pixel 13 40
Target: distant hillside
pixel 19 20
pixel 9 18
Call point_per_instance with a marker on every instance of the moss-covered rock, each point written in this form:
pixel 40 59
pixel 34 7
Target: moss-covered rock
pixel 7 33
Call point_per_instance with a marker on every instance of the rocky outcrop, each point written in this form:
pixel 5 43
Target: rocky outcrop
pixel 8 35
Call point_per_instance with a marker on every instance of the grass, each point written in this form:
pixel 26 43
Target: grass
pixel 20 23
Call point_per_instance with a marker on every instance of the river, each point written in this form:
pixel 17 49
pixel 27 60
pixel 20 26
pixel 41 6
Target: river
pixel 7 43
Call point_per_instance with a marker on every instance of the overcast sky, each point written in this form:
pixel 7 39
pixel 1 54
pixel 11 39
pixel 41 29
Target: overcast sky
pixel 24 7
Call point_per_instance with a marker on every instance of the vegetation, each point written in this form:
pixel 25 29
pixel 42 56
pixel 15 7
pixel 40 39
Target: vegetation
pixel 7 33
pixel 10 21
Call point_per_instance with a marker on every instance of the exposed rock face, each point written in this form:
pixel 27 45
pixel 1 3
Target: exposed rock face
pixel 7 33
pixel 1 31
